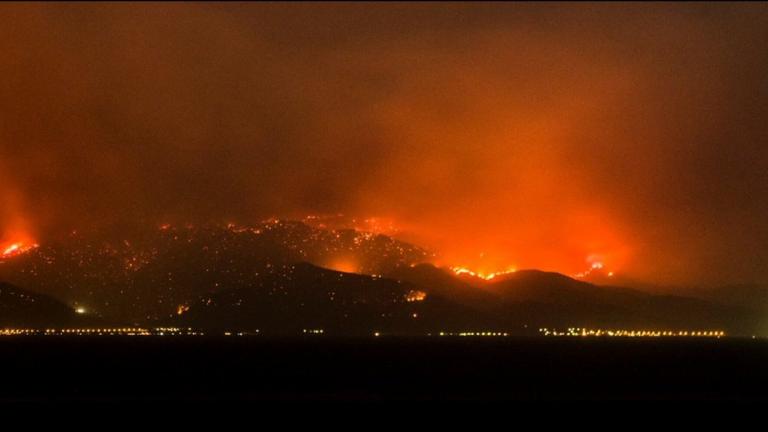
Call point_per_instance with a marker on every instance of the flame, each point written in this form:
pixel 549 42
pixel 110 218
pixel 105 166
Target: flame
pixel 481 275
pixel 415 296
pixel 17 248
pixel 486 258
pixel 11 249
pixel 596 266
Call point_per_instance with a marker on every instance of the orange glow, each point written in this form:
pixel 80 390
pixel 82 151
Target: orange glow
pixel 415 296
pixel 597 266
pixel 15 226
pixel 487 276
pixel 11 249
pixel 538 134
pixel 344 265
pixel 17 249
pixel 371 224
pixel 585 232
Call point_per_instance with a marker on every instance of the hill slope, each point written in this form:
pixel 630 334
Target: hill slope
pixel 20 308
pixel 425 299
pixel 145 277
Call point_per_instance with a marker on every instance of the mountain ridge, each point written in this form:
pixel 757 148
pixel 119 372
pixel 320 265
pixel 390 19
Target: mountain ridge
pixel 171 274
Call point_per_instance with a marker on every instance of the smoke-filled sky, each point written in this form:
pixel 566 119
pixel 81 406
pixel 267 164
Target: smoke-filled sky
pixel 526 135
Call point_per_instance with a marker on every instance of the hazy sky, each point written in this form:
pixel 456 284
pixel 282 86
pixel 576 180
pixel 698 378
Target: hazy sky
pixel 537 135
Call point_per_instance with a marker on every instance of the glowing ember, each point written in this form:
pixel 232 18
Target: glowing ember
pixel 371 225
pixel 415 296
pixel 344 265
pixel 17 249
pixel 595 267
pixel 11 249
pixel 486 276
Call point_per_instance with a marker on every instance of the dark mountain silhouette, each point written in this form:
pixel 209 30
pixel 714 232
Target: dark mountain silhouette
pixel 20 308
pixel 271 277
pixel 555 288
pixel 440 282
pixel 304 296
pixel 531 299
pixel 751 296
pixel 296 297
pixel 590 305
pixel 148 276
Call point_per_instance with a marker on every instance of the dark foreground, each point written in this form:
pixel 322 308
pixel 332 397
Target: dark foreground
pixel 203 369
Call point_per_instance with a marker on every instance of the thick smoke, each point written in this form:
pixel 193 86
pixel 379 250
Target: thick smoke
pixel 526 135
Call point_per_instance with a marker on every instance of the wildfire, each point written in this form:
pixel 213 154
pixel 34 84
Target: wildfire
pixel 11 249
pixel 415 296
pixel 345 265
pixel 17 249
pixel 481 275
pixel 374 225
pixel 596 266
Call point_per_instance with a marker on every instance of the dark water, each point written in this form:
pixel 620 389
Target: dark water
pixel 188 368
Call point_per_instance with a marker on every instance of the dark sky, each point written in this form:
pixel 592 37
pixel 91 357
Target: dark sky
pixel 526 135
